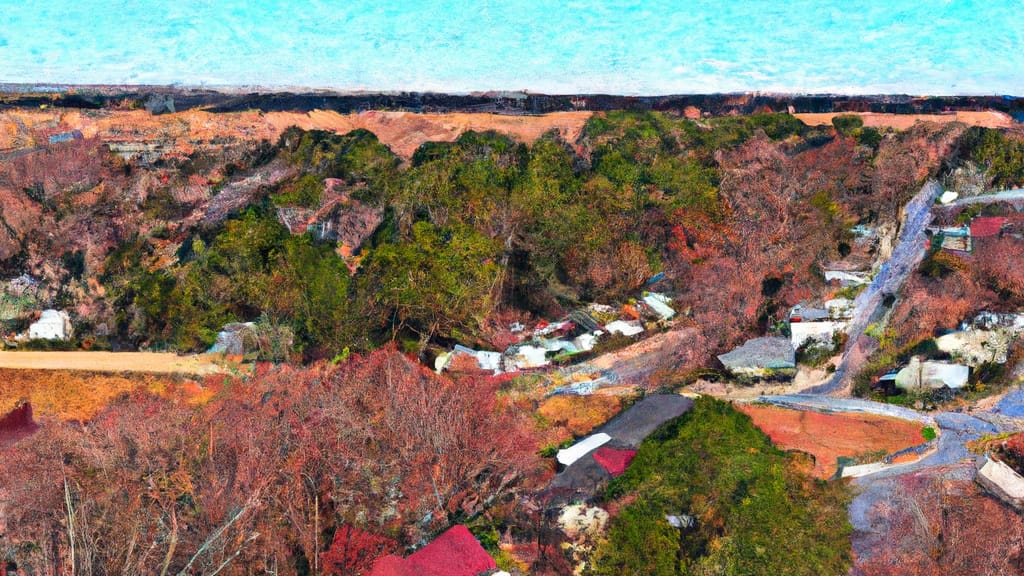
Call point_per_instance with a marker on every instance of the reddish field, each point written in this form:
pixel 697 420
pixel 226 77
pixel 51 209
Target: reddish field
pixel 80 395
pixel 829 436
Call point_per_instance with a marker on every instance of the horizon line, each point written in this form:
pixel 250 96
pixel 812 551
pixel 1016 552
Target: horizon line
pixel 56 87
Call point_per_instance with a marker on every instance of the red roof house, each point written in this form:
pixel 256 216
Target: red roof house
pixel 454 553
pixel 613 460
pixel 985 226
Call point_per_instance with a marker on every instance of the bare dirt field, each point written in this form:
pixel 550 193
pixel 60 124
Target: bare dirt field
pixel 655 360
pixel 578 415
pixel 986 118
pixel 403 132
pixel 806 377
pixel 80 395
pixel 151 362
pixel 829 436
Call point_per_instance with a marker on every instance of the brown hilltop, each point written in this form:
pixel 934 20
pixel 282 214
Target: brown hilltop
pixel 403 132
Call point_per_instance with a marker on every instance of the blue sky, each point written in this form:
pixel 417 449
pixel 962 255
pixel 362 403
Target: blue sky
pixel 624 47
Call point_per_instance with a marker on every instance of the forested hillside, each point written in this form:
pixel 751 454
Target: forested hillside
pixel 739 213
pixel 345 268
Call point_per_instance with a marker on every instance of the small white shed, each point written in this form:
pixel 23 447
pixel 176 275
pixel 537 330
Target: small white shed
pixel 567 456
pixel 52 325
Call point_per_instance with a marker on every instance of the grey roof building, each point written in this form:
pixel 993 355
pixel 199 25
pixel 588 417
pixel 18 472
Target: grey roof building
pixel 761 357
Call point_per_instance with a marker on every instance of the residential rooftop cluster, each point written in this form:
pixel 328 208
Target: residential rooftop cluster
pixel 576 333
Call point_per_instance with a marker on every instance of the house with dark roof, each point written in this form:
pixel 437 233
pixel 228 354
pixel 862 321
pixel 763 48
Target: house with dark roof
pixel 761 358
pixel 456 552
pixel 614 446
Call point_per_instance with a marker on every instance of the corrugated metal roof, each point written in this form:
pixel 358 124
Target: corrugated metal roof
pixel 768 352
pixel 454 553
pixel 985 226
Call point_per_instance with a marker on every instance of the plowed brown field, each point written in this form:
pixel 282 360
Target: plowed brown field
pixel 829 436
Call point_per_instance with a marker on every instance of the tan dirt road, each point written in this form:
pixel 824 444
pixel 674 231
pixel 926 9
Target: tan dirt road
pixel 148 362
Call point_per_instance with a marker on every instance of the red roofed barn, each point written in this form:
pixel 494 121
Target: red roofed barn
pixel 614 460
pixel 985 226
pixel 454 553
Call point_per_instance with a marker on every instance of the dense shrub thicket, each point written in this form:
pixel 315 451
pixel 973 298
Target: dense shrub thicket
pixel 756 511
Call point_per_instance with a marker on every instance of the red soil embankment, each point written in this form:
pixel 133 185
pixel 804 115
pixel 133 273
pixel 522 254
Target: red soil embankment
pixel 829 436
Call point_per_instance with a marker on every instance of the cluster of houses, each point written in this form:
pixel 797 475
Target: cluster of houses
pixel 984 340
pixel 961 239
pixel 809 325
pixel 774 357
pixel 574 334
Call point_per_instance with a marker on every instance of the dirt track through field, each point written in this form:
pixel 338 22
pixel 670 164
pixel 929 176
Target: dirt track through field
pixel 150 362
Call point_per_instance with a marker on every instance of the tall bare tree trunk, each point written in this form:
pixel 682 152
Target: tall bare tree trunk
pixel 172 545
pixel 71 524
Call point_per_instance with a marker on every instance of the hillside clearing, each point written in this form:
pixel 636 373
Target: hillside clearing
pixel 830 436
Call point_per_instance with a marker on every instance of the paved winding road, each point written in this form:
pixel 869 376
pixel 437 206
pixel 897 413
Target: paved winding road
pixel 950 454
pixel 1002 196
pixel 955 428
pixel 908 253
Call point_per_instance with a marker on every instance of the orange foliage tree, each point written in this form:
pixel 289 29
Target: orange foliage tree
pixel 262 476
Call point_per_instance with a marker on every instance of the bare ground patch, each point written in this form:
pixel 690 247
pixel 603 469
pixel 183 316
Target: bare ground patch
pixel 830 436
